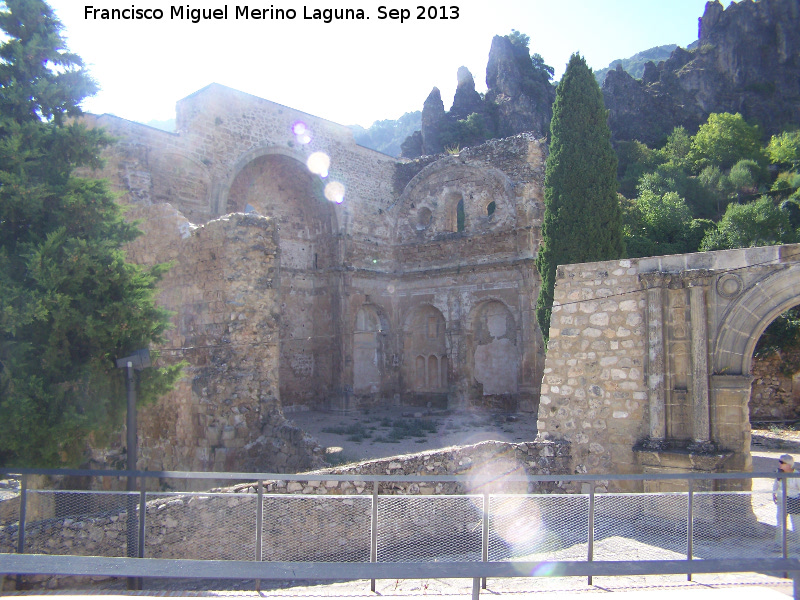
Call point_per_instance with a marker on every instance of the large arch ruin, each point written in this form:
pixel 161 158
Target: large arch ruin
pixel 371 296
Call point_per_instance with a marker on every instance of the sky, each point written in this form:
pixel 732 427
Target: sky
pixel 347 71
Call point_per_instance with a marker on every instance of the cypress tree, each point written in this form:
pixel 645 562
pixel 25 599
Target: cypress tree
pixel 582 219
pixel 69 302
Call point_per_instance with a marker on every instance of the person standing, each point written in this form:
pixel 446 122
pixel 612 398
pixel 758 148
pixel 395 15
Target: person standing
pixel 786 465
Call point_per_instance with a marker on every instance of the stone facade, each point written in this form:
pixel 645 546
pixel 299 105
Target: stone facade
pixel 649 363
pixel 367 281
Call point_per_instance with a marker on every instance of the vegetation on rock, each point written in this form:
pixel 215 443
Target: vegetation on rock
pixel 69 302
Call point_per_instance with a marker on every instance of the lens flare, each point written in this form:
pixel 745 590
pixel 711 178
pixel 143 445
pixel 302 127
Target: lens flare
pixel 301 132
pixel 334 192
pixel 319 163
pixel 299 128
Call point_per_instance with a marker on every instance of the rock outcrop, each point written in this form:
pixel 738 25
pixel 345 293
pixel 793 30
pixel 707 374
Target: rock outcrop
pixel 519 99
pixel 747 60
pixel 524 96
pixel 432 117
pixel 466 100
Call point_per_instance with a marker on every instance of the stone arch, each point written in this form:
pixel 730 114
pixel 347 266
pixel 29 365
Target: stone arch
pixel 427 208
pixel 368 350
pixel 424 372
pixel 493 348
pixel 277 184
pixel 749 316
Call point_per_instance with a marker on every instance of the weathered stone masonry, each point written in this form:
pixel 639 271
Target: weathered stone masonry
pixel 649 363
pixel 417 289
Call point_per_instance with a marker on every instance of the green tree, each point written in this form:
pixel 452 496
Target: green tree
pixel 69 302
pixel 785 149
pixel 582 220
pixel 758 223
pixel 723 140
pixel 677 148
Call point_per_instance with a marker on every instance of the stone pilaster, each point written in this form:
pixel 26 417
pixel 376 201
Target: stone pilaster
pixel 701 432
pixel 656 376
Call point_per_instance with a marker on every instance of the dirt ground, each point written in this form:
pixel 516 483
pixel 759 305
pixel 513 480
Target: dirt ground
pixel 380 433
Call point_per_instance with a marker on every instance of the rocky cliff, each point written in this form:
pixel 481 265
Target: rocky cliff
pixel 519 99
pixel 747 60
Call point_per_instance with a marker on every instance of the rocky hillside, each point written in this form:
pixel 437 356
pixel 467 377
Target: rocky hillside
pixel 747 60
pixel 635 64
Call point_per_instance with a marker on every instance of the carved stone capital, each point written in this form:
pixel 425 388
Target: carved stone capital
pixel 697 277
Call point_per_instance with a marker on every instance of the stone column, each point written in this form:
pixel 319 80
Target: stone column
pixel 656 375
pixel 730 395
pixel 701 432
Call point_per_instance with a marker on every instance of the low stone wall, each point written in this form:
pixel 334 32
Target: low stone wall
pixel 304 520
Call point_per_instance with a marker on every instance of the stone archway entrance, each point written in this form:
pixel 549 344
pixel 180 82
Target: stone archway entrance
pixel 649 363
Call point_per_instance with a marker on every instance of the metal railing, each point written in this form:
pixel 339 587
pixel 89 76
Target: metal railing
pixel 374 533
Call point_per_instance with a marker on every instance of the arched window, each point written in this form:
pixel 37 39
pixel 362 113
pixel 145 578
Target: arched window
pixel 490 208
pixel 419 379
pixel 433 372
pixel 456 215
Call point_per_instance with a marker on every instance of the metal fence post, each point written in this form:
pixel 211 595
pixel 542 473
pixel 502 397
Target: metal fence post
pixel 590 557
pixel 142 516
pixel 784 524
pixel 485 533
pixel 260 529
pixel 690 527
pixel 23 505
pixel 373 532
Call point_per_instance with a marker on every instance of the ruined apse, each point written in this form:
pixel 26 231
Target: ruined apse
pixel 341 278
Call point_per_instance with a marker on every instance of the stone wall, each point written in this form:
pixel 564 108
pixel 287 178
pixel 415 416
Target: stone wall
pixel 594 393
pixel 223 291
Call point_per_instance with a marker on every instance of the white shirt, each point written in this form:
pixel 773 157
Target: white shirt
pixel 792 486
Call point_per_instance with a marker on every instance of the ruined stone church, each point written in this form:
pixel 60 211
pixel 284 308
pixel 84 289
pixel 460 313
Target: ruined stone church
pixel 310 272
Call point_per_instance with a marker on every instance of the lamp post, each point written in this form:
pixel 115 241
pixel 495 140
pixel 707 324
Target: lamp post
pixel 135 362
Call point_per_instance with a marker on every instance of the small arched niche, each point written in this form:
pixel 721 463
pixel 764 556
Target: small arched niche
pixel 424 218
pixel 495 354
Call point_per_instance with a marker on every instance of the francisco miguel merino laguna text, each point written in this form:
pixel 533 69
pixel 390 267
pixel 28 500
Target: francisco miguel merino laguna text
pixel 195 15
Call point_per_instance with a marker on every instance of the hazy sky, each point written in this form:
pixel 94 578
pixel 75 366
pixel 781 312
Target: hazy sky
pixel 351 72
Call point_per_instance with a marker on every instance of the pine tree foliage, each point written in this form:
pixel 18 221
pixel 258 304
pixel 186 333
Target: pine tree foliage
pixel 69 302
pixel 583 219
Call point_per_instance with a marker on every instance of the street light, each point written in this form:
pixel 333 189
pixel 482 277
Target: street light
pixel 135 362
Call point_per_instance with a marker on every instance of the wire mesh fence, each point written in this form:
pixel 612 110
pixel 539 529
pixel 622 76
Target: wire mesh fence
pixel 373 527
pixel 323 528
pixel 422 528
